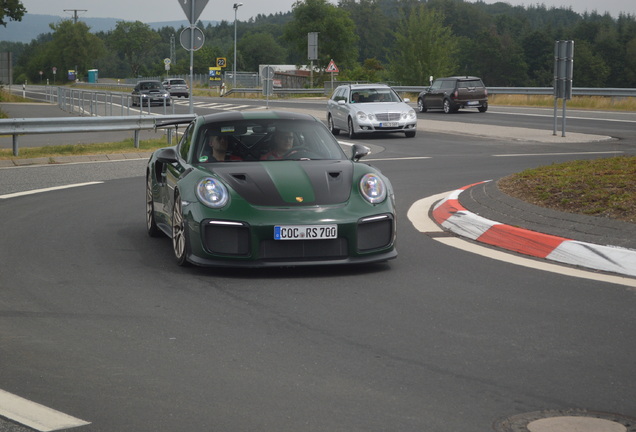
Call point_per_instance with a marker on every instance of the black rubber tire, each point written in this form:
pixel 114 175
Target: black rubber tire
pixel 352 134
pixel 179 234
pixel 151 223
pixel 420 106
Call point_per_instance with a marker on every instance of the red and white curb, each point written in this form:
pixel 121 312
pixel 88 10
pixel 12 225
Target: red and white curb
pixel 451 215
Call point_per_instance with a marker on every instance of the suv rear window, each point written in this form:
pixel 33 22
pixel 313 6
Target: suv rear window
pixel 470 84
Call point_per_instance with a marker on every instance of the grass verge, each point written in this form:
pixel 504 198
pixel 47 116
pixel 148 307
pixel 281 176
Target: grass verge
pixel 125 146
pixel 600 187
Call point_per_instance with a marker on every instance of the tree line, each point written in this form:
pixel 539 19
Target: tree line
pixel 403 42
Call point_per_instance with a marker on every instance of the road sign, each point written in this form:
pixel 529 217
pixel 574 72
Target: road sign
pixel 167 61
pixel 268 72
pixel 332 67
pixel 186 38
pixel 221 62
pixel 312 46
pixel 193 9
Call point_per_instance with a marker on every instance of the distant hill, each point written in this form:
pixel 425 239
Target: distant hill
pixel 33 25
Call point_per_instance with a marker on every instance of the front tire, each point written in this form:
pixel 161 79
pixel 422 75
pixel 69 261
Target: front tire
pixel 179 237
pixel 332 128
pixel 352 134
pixel 409 134
pixel 151 222
pixel 420 106
pixel 447 106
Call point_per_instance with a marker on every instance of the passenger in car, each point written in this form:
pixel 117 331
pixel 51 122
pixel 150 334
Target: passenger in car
pixel 282 142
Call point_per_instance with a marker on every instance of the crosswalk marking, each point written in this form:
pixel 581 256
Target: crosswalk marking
pixel 34 415
pixel 220 106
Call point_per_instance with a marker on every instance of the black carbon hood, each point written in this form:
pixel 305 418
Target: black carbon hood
pixel 289 183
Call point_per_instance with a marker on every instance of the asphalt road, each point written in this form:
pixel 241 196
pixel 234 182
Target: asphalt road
pixel 97 322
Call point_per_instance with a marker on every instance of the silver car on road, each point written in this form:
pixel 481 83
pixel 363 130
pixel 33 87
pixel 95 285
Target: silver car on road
pixel 369 108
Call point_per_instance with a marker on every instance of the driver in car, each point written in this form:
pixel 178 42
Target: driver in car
pixel 282 143
pixel 216 150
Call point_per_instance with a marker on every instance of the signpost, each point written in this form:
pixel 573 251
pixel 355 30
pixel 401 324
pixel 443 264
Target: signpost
pixel 268 82
pixel 563 72
pixel 192 9
pixel 312 53
pixel 215 76
pixel 332 68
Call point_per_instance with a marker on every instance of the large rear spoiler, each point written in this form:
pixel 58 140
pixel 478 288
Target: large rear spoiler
pixel 174 120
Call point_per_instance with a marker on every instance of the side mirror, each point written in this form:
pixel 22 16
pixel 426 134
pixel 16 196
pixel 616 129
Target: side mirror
pixel 342 102
pixel 359 151
pixel 167 155
pixel 407 100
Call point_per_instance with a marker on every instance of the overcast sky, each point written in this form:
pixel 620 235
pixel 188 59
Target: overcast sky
pixel 217 10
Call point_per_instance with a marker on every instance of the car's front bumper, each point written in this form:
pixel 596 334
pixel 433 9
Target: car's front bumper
pixel 236 243
pixel 155 100
pixel 367 125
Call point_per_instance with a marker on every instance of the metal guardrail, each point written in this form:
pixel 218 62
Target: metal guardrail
pixel 88 102
pixel 327 90
pixel 576 91
pixel 17 127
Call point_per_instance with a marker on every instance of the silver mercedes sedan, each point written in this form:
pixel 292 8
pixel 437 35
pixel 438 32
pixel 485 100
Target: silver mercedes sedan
pixel 369 108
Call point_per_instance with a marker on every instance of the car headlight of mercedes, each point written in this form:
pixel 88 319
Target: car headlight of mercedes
pixel 362 116
pixel 409 115
pixel 373 188
pixel 212 193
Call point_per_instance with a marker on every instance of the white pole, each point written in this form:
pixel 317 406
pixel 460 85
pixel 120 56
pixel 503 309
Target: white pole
pixel 236 6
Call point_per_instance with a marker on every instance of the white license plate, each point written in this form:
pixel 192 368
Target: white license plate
pixel 389 124
pixel 473 103
pixel 305 232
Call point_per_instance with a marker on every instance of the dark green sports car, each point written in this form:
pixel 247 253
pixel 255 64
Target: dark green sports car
pixel 268 188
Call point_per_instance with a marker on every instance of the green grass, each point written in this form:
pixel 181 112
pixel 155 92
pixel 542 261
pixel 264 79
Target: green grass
pixel 600 187
pixel 126 146
pixel 580 102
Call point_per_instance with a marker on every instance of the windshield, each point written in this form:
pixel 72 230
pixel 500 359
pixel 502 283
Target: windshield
pixel 266 140
pixel 374 95
pixel 152 85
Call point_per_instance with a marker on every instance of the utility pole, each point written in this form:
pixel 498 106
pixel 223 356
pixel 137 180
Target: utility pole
pixel 173 53
pixel 75 11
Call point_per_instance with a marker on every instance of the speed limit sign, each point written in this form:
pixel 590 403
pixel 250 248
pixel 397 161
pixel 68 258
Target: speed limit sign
pixel 221 62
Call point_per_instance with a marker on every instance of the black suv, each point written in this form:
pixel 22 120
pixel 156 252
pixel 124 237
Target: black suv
pixel 452 93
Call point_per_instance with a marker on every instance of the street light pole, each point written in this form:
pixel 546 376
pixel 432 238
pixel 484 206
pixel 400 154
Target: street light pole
pixel 236 6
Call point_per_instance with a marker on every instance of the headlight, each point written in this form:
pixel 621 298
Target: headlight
pixel 212 193
pixel 409 115
pixel 373 188
pixel 362 116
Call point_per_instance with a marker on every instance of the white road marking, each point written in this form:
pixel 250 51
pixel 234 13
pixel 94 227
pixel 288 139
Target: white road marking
pixel 397 158
pixel 557 154
pixel 34 415
pixel 569 117
pixel 35 191
pixel 418 215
